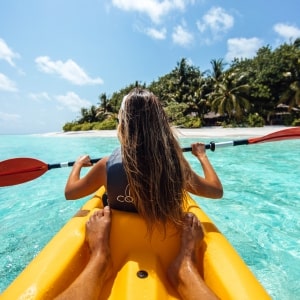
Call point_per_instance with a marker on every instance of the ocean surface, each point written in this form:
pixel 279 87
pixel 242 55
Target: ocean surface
pixel 259 213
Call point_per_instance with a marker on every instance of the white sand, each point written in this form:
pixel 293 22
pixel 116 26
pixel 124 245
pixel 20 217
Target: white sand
pixel 229 132
pixel 204 132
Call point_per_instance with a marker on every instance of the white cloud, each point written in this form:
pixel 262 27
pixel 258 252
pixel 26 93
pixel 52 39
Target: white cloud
pixel 156 34
pixel 242 48
pixel 72 101
pixel 6 84
pixel 155 9
pixel 287 32
pixel 7 54
pixel 9 117
pixel 181 36
pixel 68 70
pixel 40 97
pixel 217 21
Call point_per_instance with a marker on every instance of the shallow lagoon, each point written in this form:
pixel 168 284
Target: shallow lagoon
pixel 259 214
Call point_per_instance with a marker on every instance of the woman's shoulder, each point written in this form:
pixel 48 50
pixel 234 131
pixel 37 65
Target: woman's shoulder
pixel 115 154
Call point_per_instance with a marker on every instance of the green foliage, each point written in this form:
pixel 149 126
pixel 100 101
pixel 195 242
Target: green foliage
pixel 107 124
pixel 175 111
pixel 76 127
pixel 86 126
pixel 288 120
pixel 97 126
pixel 255 120
pixel 192 122
pixel 296 122
pixel 247 93
pixel 177 118
pixel 225 124
pixel 68 126
pixel 230 96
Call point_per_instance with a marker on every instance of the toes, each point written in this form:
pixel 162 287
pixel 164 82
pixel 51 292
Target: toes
pixel 196 222
pixel 107 212
pixel 192 224
pixel 97 214
pixel 190 220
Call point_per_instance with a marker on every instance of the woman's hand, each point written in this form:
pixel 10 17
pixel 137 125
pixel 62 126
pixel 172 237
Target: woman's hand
pixel 208 186
pixel 78 187
pixel 198 149
pixel 83 161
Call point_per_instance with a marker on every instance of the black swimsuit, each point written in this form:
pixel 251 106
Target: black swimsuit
pixel 117 184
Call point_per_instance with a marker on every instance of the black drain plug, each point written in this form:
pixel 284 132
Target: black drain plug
pixel 142 274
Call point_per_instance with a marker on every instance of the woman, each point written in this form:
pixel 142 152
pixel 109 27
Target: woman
pixel 149 175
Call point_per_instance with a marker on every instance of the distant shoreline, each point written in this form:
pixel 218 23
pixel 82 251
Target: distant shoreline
pixel 204 132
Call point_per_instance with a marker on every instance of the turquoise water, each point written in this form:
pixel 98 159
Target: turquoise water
pixel 259 214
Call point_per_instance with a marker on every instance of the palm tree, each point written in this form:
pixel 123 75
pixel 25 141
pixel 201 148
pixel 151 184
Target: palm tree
pixel 291 96
pixel 93 114
pixel 230 97
pixel 297 43
pixel 103 103
pixel 84 115
pixel 104 107
pixel 198 102
pixel 217 69
pixel 185 80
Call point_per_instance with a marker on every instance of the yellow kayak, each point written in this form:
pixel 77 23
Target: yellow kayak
pixel 139 263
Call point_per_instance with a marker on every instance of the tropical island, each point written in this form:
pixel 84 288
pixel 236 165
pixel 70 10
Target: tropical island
pixel 263 90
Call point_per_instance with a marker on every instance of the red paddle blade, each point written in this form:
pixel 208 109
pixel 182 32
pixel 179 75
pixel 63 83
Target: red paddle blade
pixel 285 134
pixel 18 170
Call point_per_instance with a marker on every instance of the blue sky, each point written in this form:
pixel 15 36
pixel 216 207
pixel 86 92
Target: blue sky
pixel 57 56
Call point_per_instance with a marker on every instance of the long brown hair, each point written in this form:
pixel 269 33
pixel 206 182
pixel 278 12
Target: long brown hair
pixel 152 159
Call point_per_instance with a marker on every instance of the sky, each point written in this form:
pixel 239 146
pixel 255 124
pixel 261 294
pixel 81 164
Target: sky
pixel 57 56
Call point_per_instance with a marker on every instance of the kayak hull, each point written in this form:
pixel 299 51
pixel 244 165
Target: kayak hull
pixel 139 261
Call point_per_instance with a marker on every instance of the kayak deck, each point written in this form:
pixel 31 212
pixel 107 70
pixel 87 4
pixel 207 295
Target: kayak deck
pixel 139 262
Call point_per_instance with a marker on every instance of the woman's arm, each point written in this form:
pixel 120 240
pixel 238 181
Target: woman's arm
pixel 77 187
pixel 210 186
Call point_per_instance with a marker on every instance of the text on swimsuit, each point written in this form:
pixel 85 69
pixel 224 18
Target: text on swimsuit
pixel 127 198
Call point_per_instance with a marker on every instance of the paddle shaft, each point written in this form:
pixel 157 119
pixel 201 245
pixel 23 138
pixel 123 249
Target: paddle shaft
pixel 285 134
pixel 213 146
pixel 68 164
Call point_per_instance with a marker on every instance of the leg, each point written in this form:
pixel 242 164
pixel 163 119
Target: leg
pixel 183 273
pixel 89 283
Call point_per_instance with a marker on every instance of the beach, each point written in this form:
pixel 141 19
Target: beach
pixel 205 132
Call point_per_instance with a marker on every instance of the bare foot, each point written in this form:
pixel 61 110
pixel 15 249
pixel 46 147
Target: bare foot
pixel 89 283
pixel 183 273
pixel 185 261
pixel 97 236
